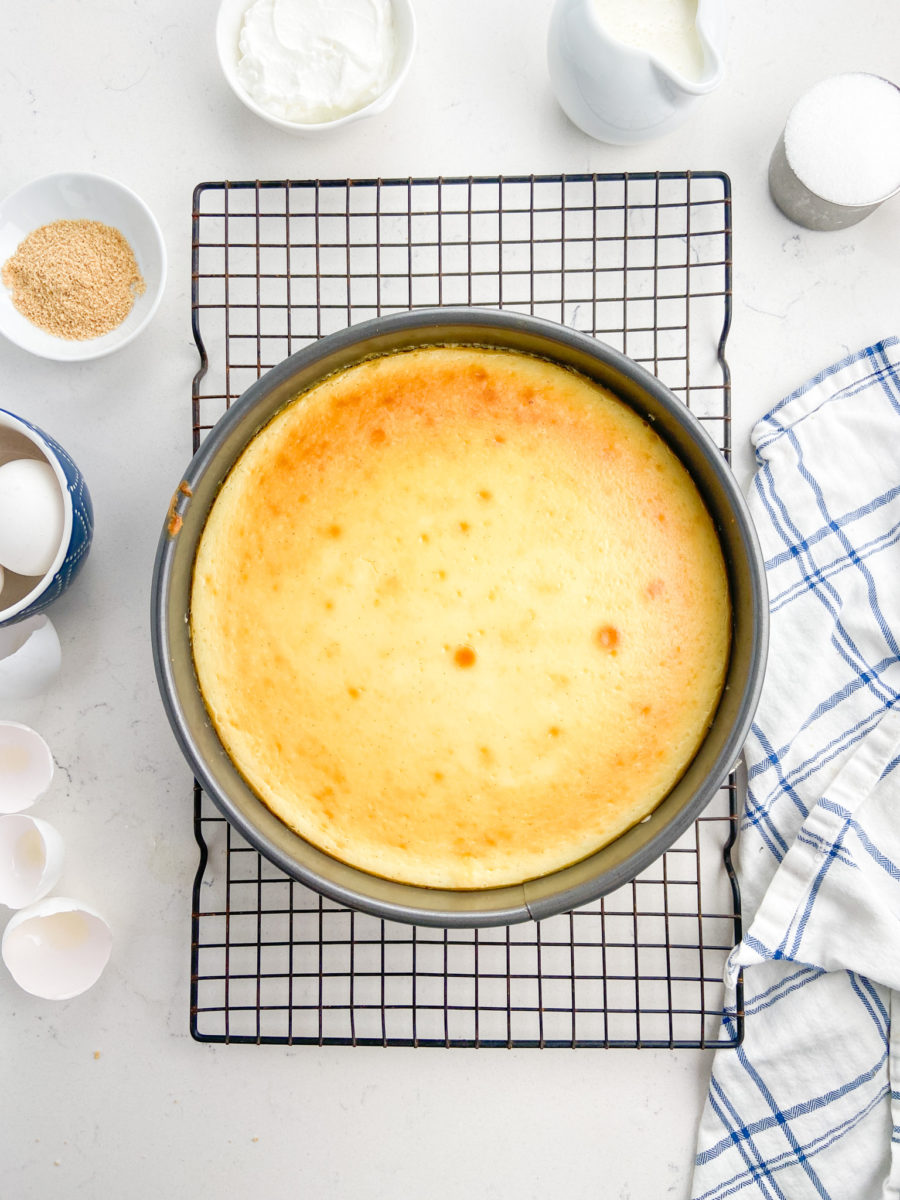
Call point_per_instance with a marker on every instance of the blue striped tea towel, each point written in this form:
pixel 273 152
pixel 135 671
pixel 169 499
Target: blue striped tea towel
pixel 809 1105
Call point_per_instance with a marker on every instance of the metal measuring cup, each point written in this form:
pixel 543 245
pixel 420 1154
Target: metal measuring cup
pixel 797 199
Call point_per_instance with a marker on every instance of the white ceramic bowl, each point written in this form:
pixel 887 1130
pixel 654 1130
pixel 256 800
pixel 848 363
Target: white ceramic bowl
pixel 228 28
pixel 75 196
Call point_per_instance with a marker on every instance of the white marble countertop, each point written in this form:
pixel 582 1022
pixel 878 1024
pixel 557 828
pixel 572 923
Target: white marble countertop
pixel 107 1095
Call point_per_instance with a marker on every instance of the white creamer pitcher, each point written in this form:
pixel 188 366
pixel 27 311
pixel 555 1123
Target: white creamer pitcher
pixel 618 79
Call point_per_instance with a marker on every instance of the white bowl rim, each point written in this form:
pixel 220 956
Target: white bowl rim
pixel 228 63
pixel 94 347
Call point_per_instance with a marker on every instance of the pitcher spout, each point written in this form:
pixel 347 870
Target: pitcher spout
pixel 691 59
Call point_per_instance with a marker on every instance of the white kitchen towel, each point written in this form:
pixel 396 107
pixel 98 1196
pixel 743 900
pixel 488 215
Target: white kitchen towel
pixel 809 1104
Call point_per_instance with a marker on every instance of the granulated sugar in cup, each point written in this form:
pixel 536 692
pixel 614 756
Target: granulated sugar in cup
pixel 838 158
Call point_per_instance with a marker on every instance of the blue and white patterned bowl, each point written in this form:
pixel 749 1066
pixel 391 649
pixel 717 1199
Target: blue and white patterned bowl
pixel 23 597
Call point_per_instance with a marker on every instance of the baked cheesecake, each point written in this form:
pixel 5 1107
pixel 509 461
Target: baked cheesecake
pixel 459 616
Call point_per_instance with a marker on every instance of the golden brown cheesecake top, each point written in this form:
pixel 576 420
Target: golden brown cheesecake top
pixel 459 617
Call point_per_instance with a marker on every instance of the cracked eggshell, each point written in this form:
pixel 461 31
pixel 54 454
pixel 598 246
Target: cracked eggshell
pixel 31 859
pixel 57 948
pixel 26 767
pixel 30 658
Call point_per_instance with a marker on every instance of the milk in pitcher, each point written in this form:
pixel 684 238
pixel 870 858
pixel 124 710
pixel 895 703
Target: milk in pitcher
pixel 667 29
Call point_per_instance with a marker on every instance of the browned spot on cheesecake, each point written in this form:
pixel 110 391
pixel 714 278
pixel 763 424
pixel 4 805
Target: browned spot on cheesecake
pixel 607 638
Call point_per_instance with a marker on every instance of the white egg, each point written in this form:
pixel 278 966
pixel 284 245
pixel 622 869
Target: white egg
pixel 56 948
pixel 31 859
pixel 31 516
pixel 26 767
pixel 30 657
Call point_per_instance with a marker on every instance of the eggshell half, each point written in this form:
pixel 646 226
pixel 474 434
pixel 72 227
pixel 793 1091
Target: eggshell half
pixel 56 948
pixel 26 767
pixel 30 658
pixel 31 859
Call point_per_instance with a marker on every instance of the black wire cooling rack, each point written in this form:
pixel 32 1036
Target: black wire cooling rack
pixel 641 261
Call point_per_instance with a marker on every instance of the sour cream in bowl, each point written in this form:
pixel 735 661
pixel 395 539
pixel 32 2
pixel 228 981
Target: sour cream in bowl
pixel 307 66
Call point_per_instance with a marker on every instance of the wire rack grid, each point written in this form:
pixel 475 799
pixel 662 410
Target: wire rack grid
pixel 642 261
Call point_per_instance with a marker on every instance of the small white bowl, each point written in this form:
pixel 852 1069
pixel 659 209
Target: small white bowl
pixel 76 196
pixel 228 29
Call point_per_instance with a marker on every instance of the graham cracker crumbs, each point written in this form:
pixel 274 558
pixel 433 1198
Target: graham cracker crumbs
pixel 75 279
